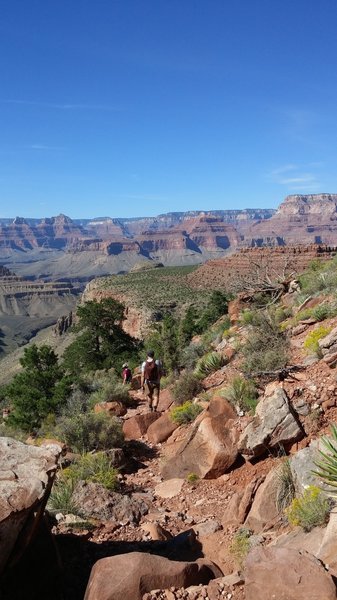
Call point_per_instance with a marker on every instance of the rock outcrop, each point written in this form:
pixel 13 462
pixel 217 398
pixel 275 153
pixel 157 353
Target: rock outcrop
pixel 98 502
pixel 26 478
pixel 274 425
pixel 286 574
pixel 130 576
pixel 209 450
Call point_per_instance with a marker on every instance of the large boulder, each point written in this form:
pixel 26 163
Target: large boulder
pixel 264 508
pixel 165 400
pixel 220 406
pixel 98 502
pixel 137 426
pixel 209 450
pixel 286 574
pixel 302 466
pixel 130 576
pixel 274 425
pixel 161 429
pixel 26 478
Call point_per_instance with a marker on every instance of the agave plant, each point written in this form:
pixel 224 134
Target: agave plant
pixel 208 364
pixel 327 463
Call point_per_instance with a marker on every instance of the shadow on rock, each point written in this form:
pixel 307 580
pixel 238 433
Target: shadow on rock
pixel 79 555
pixel 136 452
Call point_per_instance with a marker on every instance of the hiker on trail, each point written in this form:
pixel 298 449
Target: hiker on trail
pixel 150 381
pixel 126 374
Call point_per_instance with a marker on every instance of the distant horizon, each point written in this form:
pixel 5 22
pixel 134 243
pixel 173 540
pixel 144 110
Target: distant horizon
pixel 151 216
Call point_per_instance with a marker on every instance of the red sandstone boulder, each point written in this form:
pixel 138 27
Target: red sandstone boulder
pixel 160 430
pixel 220 406
pixel 165 400
pixel 137 426
pixel 264 508
pixel 286 574
pixel 130 576
pixel 209 450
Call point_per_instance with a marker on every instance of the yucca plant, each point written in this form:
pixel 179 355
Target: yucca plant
pixel 208 364
pixel 61 497
pixel 327 463
pixel 241 393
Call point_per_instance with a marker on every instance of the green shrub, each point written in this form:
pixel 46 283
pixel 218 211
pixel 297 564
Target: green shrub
pixel 95 468
pixel 240 546
pixel 247 317
pixel 16 433
pixel 111 391
pixel 324 311
pixel 208 364
pixel 90 431
pixel 186 387
pixel 311 341
pixel 191 354
pixel 285 491
pixel 266 348
pixel 319 277
pixel 311 509
pixel 186 413
pixel 241 393
pixel 192 478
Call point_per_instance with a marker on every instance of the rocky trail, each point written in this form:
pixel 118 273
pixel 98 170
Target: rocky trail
pixel 200 509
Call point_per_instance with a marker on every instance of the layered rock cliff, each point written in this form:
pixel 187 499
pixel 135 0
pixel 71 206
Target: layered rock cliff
pixel 59 246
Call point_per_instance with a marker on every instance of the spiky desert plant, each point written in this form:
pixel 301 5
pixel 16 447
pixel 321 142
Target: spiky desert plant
pixel 61 497
pixel 241 393
pixel 210 362
pixel 327 462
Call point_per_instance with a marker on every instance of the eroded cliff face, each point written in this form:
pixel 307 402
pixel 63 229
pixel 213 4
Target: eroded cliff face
pixel 106 246
pixel 300 219
pixel 27 307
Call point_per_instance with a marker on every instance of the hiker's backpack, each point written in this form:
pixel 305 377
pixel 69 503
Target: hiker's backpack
pixel 152 371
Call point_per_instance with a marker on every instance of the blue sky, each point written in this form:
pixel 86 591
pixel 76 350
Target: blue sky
pixel 138 107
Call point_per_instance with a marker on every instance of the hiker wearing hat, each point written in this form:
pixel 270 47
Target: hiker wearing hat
pixel 126 374
pixel 150 381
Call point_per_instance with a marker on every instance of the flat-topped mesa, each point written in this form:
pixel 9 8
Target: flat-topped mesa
pixel 105 246
pixel 300 219
pixel 319 205
pixel 211 233
pixel 172 239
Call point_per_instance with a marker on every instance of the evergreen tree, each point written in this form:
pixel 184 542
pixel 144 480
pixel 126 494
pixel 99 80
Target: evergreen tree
pixel 188 326
pixel 102 342
pixel 217 306
pixel 164 341
pixel 39 390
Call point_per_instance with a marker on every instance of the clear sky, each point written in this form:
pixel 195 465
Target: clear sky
pixel 137 107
